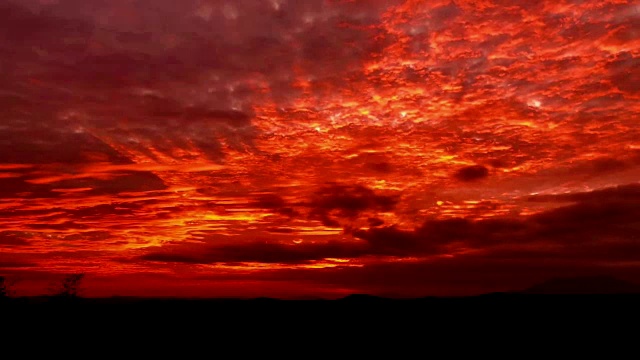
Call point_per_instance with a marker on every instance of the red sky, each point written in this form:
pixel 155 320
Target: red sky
pixel 318 148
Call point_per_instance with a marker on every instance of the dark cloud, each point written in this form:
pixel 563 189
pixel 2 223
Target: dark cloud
pixel 17 187
pixel 254 252
pixel 350 200
pixel 331 203
pixel 590 221
pixel 67 225
pixel 605 219
pixel 472 173
pixel 326 220
pixel 334 203
pixel 381 167
pixel 27 143
pixel 270 201
pixel 13 212
pixel 90 235
pixel 585 285
pixel 122 181
pixel 30 186
pixel 433 236
pixel 114 208
pixel 607 165
pixel 275 202
pixel 16 264
pixel 592 229
pixel 193 114
pixel 621 74
pixel 603 166
pixel 621 193
pixel 392 241
pixel 166 80
pixel 277 230
pixel 469 274
pixel 497 163
pixel 12 238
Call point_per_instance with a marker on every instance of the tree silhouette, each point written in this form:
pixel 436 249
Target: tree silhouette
pixel 70 286
pixel 6 290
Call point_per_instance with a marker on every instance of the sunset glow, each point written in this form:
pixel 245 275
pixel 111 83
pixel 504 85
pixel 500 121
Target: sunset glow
pixel 318 148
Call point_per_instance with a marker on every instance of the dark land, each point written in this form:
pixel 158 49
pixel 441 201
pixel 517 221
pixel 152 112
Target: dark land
pixel 589 296
pixel 358 321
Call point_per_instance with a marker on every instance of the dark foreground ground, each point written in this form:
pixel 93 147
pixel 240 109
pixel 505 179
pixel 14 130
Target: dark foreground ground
pixel 357 321
pixel 498 305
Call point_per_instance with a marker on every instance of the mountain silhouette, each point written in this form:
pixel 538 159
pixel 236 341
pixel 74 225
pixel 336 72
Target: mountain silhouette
pixel 584 285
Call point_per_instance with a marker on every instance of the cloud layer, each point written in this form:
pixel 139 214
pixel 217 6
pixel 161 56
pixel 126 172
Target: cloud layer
pixel 318 143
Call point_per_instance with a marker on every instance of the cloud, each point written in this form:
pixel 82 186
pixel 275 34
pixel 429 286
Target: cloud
pixel 275 202
pixel 90 235
pixel 601 225
pixel 462 275
pixel 16 264
pixel 38 141
pixel 620 193
pixel 602 166
pixel 138 123
pixel 333 204
pixel 67 225
pixel 592 220
pixel 52 185
pixel 472 173
pixel 381 167
pixel 11 239
pixel 620 74
pixel 261 252
pixel 604 219
pixel 350 200
pixel 114 208
pixel 156 87
pixel 436 236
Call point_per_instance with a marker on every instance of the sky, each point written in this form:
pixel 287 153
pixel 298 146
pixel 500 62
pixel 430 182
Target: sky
pixel 318 148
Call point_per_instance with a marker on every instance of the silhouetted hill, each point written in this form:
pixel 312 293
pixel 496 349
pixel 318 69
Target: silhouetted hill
pixel 584 285
pixel 363 298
